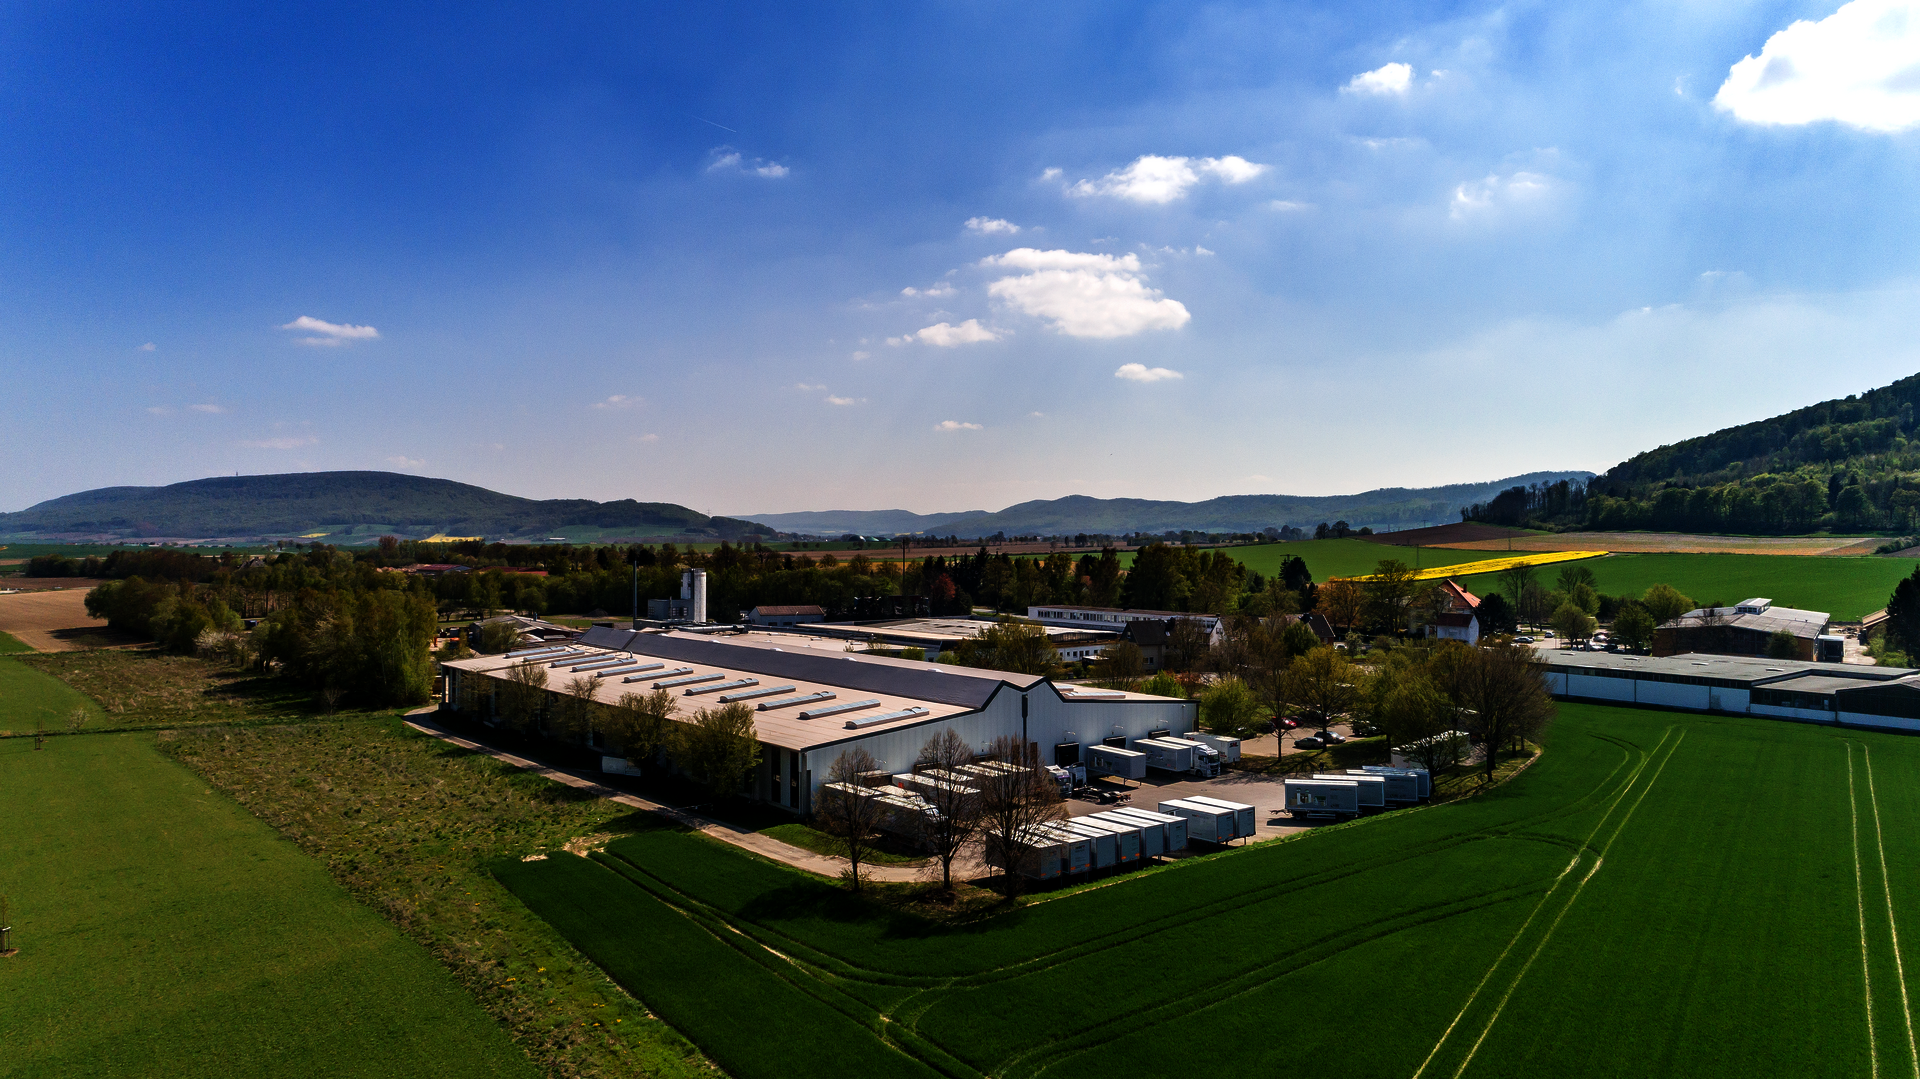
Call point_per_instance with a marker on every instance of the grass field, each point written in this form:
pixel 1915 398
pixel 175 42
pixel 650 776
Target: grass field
pixel 1658 894
pixel 10 644
pixel 1345 557
pixel 1845 587
pixel 164 931
pixel 29 700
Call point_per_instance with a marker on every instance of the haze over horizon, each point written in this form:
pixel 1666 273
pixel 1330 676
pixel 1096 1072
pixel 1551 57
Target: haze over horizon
pixel 765 259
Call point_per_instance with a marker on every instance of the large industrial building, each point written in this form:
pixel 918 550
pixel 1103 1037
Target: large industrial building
pixel 1745 629
pixel 1841 694
pixel 812 703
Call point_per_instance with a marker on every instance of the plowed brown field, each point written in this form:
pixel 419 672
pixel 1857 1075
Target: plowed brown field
pixel 53 621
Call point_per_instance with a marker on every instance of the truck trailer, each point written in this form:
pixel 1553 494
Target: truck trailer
pixel 1212 823
pixel 1243 814
pixel 1227 745
pixel 1420 776
pixel 1173 830
pixel 1079 848
pixel 1117 762
pixel 1127 844
pixel 1105 848
pixel 1206 759
pixel 1322 797
pixel 1373 789
pixel 1037 855
pixel 1402 788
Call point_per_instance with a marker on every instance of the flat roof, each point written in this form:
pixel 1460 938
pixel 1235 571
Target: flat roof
pixel 1750 669
pixel 1817 683
pixel 944 690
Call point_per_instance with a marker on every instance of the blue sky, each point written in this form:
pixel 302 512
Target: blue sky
pixel 938 257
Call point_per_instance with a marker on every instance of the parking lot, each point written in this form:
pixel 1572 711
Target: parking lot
pixel 1264 793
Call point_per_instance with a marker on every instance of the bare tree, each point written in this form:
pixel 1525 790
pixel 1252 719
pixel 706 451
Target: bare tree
pixel 1504 690
pixel 1012 803
pixel 1514 581
pixel 577 709
pixel 1120 665
pixel 956 805
pixel 1390 588
pixel 1187 644
pixel 850 817
pixel 1340 601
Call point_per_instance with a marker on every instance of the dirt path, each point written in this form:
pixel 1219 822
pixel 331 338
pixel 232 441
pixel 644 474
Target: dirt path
pixel 49 621
pixel 766 846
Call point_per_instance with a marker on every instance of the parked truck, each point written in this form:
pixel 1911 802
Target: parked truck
pixel 1322 797
pixel 1227 745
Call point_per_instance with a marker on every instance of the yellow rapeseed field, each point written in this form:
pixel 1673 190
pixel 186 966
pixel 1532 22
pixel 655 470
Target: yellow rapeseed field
pixel 1491 565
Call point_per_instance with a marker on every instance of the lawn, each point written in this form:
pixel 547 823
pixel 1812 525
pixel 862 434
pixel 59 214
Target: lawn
pixel 9 644
pixel 1657 894
pixel 30 700
pixel 1846 587
pixel 165 931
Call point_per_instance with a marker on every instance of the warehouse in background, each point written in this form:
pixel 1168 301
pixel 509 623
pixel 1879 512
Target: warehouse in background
pixel 1887 698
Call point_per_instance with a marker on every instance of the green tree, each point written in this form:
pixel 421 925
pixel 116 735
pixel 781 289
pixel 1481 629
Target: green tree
pixel 1230 706
pixel 1389 591
pixel 1572 623
pixel 498 637
pixel 1782 645
pixel 1903 612
pixel 641 724
pixel 1120 665
pixel 524 695
pixel 1514 582
pixel 1324 683
pixel 1665 603
pixel 1573 575
pixel 1021 647
pixel 1584 597
pixel 1633 626
pixel 1163 685
pixel 718 748
pixel 1503 691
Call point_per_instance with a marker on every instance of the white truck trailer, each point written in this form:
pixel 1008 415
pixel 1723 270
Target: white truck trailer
pixel 1206 759
pixel 1106 850
pixel 1038 854
pixel 1126 836
pixel 1322 797
pixel 1373 789
pixel 1079 847
pixel 1243 814
pixel 1116 762
pixel 1420 776
pixel 1211 823
pixel 1227 745
pixel 1173 830
pixel 1402 788
pixel 932 786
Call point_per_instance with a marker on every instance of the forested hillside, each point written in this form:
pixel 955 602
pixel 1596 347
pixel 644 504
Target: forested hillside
pixel 1845 465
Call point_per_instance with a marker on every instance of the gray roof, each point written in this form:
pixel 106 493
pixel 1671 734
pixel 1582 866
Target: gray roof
pixel 1822 684
pixel 967 687
pixel 1795 621
pixel 1750 670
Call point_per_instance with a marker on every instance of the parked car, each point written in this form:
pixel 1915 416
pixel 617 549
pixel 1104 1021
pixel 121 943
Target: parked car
pixel 1363 729
pixel 1332 738
pixel 1308 741
pixel 1286 723
pixel 1549 635
pixel 1523 640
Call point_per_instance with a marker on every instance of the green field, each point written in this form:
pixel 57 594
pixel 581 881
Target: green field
pixel 11 644
pixel 1845 587
pixel 165 931
pixel 29 699
pixel 1660 894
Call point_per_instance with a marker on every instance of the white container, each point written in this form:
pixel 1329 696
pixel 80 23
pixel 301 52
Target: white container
pixel 1420 776
pixel 1079 848
pixel 1228 745
pixel 1153 833
pixel 1402 788
pixel 1166 754
pixel 1126 835
pixel 1373 788
pixel 1206 759
pixel 1114 761
pixel 1173 829
pixel 1243 814
pixel 1039 855
pixel 1322 797
pixel 1105 848
pixel 1204 822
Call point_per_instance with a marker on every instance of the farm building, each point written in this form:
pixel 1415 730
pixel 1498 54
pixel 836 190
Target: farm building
pixel 1458 617
pixel 530 630
pixel 1742 630
pixel 812 703
pixel 1883 697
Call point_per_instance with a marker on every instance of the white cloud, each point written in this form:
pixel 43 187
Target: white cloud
pixel 331 334
pixel 1288 206
pixel 843 401
pixel 208 407
pixel 956 425
pixel 1496 192
pixel 1050 174
pixel 940 288
pixel 808 387
pixel 1155 179
pixel 148 347
pixel 1198 250
pixel 1859 66
pixel 646 438
pixel 1085 294
pixel 160 410
pixel 1037 415
pixel 1388 80
pixel 404 461
pixel 992 226
pixel 863 355
pixel 944 335
pixel 1140 372
pixel 287 443
pixel 727 159
pixel 618 400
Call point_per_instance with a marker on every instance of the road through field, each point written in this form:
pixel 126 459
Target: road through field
pixel 1661 894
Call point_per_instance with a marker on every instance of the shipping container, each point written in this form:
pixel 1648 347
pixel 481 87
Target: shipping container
pixel 1204 822
pixel 1322 797
pixel 1038 854
pixel 1420 776
pixel 1243 814
pixel 927 785
pixel 1168 754
pixel 1106 854
pixel 1114 761
pixel 1079 847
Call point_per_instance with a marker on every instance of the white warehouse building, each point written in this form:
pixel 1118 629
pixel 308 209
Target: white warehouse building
pixel 812 704
pixel 1887 698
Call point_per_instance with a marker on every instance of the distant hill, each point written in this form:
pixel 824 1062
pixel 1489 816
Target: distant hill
pixel 353 507
pixel 1388 507
pixel 1845 464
